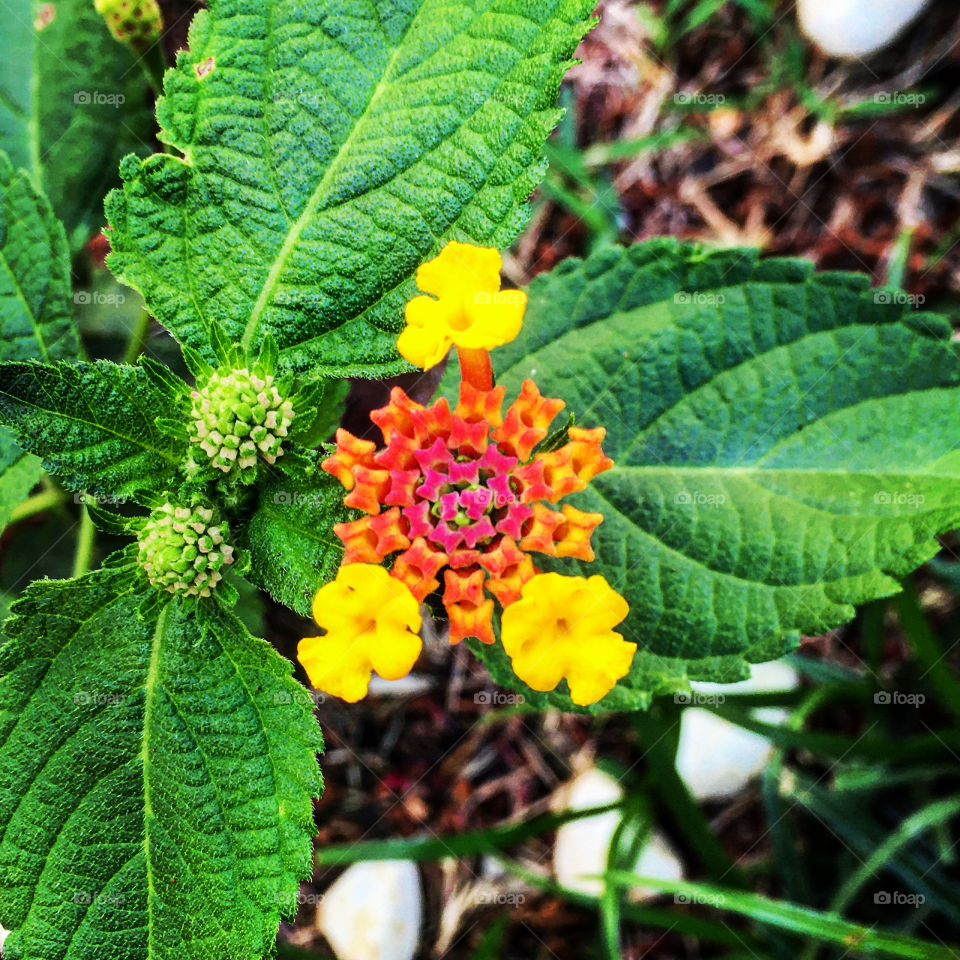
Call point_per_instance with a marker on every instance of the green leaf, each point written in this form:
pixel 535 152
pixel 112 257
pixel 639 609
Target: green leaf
pixel 35 314
pixel 73 101
pixel 784 443
pixel 290 538
pixel 19 473
pixel 156 779
pixel 93 423
pixel 35 318
pixel 327 150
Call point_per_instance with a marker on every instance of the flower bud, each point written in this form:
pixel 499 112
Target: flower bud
pixel 182 549
pixel 239 418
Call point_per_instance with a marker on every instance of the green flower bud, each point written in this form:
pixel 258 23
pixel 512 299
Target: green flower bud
pixel 137 23
pixel 182 549
pixel 239 418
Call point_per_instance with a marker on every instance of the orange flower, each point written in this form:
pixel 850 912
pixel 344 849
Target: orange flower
pixel 462 489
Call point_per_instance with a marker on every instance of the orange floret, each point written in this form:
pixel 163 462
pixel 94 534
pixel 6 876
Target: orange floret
pixel 527 420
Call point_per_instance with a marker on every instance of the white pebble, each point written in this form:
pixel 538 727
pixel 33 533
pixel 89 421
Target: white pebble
pixel 855 28
pixel 373 911
pixel 582 846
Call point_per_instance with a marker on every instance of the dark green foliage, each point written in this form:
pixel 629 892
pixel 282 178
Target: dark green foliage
pixel 782 439
pixel 328 150
pixel 155 778
pixel 93 423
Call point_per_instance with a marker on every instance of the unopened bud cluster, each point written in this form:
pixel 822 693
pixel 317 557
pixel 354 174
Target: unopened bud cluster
pixel 183 549
pixel 239 417
pixel 134 22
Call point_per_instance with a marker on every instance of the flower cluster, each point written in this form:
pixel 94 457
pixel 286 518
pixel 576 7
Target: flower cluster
pixel 462 500
pixel 239 417
pixel 183 549
pixel 461 492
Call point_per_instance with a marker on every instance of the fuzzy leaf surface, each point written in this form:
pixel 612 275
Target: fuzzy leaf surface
pixel 325 151
pixel 785 445
pixel 73 101
pixel 94 424
pixel 293 548
pixel 156 779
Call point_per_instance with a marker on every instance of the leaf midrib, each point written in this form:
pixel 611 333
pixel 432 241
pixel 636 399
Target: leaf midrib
pixel 300 224
pixel 150 685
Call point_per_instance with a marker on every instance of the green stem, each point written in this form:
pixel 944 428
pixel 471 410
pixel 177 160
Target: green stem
pixel 899 258
pixel 929 651
pixel 138 336
pixel 39 503
pixel 659 731
pixel 85 540
pixel 154 64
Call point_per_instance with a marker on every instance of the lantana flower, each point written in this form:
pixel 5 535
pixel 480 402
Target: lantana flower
pixel 468 309
pixel 462 500
pixel 372 622
pixel 557 618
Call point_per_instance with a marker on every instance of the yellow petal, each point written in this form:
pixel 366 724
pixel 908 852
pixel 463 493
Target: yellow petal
pixel 495 319
pixel 467 308
pixel 562 627
pixel 459 268
pixel 371 621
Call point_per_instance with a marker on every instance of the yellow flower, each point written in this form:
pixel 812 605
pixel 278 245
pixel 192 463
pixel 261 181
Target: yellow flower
pixel 468 309
pixel 562 627
pixel 372 622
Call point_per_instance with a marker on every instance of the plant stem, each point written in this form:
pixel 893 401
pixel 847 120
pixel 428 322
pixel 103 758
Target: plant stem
pixel 85 538
pixel 138 336
pixel 38 503
pixel 154 64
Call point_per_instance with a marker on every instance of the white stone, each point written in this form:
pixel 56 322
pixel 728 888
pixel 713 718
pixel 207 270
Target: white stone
pixel 658 859
pixel 715 758
pixel 855 28
pixel 582 846
pixel 374 911
pixel 766 677
pixel 3 936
